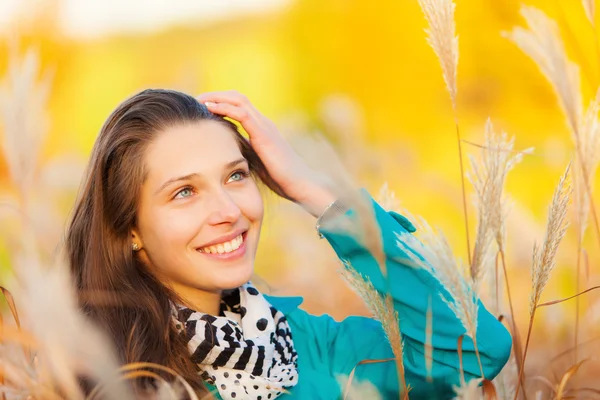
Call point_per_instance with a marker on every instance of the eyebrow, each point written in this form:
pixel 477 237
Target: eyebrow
pixel 229 165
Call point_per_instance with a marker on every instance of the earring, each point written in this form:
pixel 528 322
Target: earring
pixel 135 247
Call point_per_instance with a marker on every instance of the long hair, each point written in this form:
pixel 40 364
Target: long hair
pixel 115 289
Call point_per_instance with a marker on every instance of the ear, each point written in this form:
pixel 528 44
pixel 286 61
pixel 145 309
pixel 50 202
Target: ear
pixel 136 239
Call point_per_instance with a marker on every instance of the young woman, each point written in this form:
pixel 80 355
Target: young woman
pixel 166 228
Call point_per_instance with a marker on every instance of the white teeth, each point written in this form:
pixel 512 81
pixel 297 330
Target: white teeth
pixel 226 247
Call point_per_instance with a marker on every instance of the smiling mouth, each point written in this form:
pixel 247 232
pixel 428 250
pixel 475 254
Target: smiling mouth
pixel 229 247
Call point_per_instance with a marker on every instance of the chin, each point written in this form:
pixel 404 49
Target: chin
pixel 234 279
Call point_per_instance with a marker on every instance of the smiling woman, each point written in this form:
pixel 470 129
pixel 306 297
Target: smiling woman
pixel 167 225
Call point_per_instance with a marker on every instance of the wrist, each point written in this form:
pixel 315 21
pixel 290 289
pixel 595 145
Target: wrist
pixel 316 197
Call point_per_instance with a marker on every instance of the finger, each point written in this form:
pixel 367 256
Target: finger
pixel 231 96
pixel 240 114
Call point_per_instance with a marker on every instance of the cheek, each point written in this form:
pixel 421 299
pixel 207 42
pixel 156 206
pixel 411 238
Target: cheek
pixel 251 205
pixel 166 231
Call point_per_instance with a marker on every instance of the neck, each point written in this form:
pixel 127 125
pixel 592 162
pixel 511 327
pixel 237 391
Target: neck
pixel 200 300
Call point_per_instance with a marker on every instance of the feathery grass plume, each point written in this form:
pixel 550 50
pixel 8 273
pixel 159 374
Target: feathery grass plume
pixel 358 390
pixel 544 258
pixel 469 391
pixel 588 142
pixel 68 345
pixel 441 35
pixel 506 381
pixel 387 198
pixel 439 261
pixel 442 38
pixel 590 10
pixel 383 309
pixel 21 95
pixel 488 177
pixel 542 43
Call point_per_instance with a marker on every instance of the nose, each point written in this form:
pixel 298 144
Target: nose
pixel 223 209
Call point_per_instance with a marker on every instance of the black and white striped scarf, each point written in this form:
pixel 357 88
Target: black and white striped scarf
pixel 247 351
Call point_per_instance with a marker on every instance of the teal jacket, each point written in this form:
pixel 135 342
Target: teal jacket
pixel 328 349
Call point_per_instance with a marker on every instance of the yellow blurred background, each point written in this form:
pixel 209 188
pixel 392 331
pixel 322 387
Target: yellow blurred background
pixel 360 72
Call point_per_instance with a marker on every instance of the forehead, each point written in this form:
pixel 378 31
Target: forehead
pixel 195 147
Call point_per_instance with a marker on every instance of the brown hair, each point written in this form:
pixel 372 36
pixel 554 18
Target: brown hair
pixel 135 307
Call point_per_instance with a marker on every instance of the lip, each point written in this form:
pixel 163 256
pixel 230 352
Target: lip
pixel 237 253
pixel 224 239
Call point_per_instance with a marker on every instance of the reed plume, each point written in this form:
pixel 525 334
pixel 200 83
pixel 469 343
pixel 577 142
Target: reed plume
pixel 441 35
pixel 382 308
pixel 588 157
pixel 589 7
pixel 439 260
pixel 23 112
pixel 544 257
pixel 488 176
pixel 387 198
pixel 67 345
pixel 469 390
pixel 506 381
pixel 442 38
pixel 543 44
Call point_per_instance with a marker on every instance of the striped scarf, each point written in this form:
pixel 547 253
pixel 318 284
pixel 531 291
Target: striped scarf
pixel 247 351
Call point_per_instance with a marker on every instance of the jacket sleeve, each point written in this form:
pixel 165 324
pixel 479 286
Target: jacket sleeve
pixel 413 289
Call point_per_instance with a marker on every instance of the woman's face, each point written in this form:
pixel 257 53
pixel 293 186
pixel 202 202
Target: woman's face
pixel 199 212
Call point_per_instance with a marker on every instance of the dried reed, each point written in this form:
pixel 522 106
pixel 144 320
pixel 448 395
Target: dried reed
pixel 441 35
pixel 383 309
pixel 543 44
pixel 469 390
pixel 23 112
pixel 488 177
pixel 439 260
pixel 544 258
pixel 589 7
pixel 442 38
pixel 588 143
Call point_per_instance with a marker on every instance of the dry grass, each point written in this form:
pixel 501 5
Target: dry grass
pixel 440 261
pixel 44 358
pixel 590 10
pixel 544 257
pixel 382 308
pixel 441 35
pixel 52 345
pixel 22 95
pixel 469 390
pixel 488 177
pixel 543 43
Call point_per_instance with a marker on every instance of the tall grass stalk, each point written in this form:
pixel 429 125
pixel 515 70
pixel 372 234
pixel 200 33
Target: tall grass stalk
pixel 439 260
pixel 588 143
pixel 488 176
pixel 441 36
pixel 543 44
pixel 544 258
pixel 383 308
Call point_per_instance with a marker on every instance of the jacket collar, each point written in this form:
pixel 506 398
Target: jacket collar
pixel 285 304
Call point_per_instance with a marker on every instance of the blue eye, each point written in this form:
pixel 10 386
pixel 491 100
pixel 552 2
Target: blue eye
pixel 241 175
pixel 185 192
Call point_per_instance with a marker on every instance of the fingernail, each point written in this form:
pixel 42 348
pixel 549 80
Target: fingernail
pixel 209 104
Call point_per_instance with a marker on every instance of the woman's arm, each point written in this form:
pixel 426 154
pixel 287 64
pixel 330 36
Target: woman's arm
pixel 412 289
